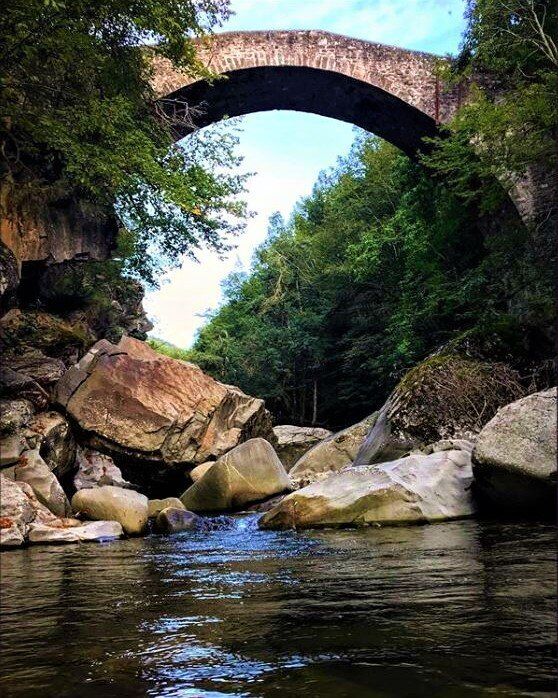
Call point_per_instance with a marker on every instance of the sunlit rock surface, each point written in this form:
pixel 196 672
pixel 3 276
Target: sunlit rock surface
pixel 249 473
pixel 110 503
pixel 415 489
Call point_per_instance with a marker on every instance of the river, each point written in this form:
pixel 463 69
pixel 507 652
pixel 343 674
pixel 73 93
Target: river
pixel 452 610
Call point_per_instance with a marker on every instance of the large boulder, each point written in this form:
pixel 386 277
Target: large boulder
pixel 110 503
pixel 57 443
pixel 249 473
pixel 96 469
pixel 414 489
pixel 293 442
pixel 32 469
pixel 160 413
pixel 19 508
pixel 332 454
pixel 446 396
pixel 514 459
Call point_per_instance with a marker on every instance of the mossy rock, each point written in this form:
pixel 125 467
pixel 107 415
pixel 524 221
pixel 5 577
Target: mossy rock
pixel 446 396
pixel 450 395
pixel 48 333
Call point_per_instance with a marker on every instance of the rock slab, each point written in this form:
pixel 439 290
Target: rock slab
pixel 411 490
pixel 94 531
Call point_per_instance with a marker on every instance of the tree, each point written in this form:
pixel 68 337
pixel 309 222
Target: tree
pixel 380 266
pixel 509 57
pixel 78 118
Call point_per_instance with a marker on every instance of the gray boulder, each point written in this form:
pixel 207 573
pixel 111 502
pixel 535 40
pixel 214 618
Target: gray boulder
pixel 332 454
pixel 96 469
pixel 32 469
pixel 446 396
pixel 248 473
pixel 514 459
pixel 19 507
pixel 110 503
pixel 175 519
pixel 414 489
pixel 293 442
pixel 11 448
pixel 57 443
pixel 16 513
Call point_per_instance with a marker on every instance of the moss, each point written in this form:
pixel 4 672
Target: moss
pixel 449 394
pixel 42 331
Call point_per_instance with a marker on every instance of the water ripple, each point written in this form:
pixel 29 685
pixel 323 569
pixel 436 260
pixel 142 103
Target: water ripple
pixel 460 609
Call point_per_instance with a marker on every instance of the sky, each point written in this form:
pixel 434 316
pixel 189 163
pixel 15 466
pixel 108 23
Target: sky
pixel 287 150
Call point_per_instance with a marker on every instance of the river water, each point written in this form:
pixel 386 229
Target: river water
pixel 450 610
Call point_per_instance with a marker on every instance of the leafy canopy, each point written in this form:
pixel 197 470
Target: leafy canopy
pixel 380 266
pixel 78 118
pixel 510 58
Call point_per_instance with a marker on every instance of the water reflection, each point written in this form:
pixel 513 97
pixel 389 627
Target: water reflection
pixel 459 609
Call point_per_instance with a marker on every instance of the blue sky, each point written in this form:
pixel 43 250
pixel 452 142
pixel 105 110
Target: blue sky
pixel 287 150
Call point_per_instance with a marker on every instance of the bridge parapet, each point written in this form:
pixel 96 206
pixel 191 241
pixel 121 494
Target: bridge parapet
pixel 409 75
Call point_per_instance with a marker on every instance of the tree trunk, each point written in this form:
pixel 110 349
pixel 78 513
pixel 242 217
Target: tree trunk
pixel 315 403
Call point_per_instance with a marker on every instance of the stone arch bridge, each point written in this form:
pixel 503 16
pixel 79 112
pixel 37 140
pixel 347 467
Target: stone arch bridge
pixel 390 91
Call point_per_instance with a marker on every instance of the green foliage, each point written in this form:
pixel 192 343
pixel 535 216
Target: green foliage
pixel 78 116
pixel 510 60
pixel 162 347
pixel 377 269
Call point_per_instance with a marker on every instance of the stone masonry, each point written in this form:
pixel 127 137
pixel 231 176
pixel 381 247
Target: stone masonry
pixel 408 75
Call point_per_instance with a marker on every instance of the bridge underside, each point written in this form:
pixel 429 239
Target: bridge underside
pixel 310 90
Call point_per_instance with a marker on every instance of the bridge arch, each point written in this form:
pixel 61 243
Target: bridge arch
pixel 392 92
